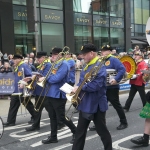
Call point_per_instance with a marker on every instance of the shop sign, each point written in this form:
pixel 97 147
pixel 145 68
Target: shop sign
pixel 20 13
pixel 51 16
pixel 116 22
pixel 100 21
pixel 82 19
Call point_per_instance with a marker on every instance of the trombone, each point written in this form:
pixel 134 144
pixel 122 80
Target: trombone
pixel 42 83
pixel 89 76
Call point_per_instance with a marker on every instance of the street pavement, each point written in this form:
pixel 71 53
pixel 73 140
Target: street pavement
pixel 16 138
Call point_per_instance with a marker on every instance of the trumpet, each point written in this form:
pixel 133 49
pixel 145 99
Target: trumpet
pixel 31 86
pixel 64 52
pixel 74 98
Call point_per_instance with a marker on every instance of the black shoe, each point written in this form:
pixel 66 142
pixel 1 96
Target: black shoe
pixel 7 124
pixel 140 141
pixel 122 126
pixel 31 121
pixel 125 109
pixel 60 126
pixel 73 138
pixel 32 128
pixel 50 140
pixel 92 128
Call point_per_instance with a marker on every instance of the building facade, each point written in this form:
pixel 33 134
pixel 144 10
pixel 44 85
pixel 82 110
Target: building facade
pixel 119 23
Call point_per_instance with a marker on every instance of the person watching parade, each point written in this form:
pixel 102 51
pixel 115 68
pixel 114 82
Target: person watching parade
pixel 21 70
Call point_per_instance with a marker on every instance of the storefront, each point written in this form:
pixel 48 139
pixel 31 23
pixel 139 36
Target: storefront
pixel 72 23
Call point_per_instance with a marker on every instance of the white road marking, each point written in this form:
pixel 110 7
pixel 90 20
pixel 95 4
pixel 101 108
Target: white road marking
pixel 25 125
pixel 116 143
pixel 68 145
pixel 14 134
pixel 58 135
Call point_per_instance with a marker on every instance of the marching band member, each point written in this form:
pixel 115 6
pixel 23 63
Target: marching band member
pixel 15 99
pixel 55 100
pixel 137 82
pixel 113 90
pixel 39 93
pixel 71 74
pixel 93 105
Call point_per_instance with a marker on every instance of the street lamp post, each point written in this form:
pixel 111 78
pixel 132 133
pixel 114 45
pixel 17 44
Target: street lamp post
pixel 92 34
pixel 36 26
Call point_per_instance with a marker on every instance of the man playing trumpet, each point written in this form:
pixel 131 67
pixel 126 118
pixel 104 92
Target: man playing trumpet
pixel 21 69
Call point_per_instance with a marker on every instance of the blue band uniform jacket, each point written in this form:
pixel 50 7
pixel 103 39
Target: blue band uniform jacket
pixel 57 79
pixel 95 92
pixel 43 71
pixel 71 74
pixel 19 74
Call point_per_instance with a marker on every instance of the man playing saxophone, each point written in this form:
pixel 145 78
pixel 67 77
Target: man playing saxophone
pixel 93 103
pixel 21 69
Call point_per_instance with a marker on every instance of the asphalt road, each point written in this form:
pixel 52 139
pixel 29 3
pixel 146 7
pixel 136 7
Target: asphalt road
pixel 16 138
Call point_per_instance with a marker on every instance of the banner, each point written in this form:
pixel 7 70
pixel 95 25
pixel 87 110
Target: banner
pixel 7 83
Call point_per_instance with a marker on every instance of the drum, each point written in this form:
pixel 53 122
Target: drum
pixel 130 65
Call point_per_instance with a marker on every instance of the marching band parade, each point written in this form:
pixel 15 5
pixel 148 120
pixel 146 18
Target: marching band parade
pixel 98 85
pixel 71 72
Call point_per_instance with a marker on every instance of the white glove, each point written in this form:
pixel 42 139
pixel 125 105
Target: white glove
pixel 134 76
pixel 20 86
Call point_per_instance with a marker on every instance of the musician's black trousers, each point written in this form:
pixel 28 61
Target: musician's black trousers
pixel 113 97
pixel 56 109
pixel 133 90
pixel 100 124
pixel 14 106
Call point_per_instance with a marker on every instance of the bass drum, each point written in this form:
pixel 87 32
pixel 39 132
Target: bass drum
pixel 130 65
pixel 1 128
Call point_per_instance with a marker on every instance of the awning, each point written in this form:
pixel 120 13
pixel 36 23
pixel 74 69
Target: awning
pixel 138 42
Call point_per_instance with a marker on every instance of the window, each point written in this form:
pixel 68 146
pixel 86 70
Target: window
pixel 117 39
pixel 138 11
pixel 52 35
pixel 23 2
pixel 101 36
pixel 83 6
pixel 82 35
pixel 117 8
pixel 138 28
pixel 53 4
